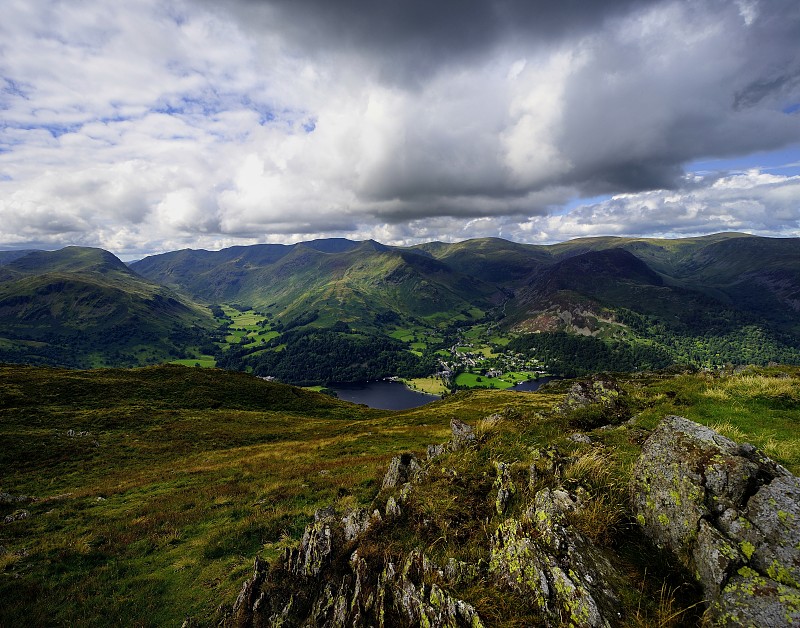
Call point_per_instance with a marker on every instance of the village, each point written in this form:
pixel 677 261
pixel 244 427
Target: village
pixel 486 365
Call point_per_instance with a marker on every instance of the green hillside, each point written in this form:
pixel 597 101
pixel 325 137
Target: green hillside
pixel 141 497
pixel 341 280
pixel 84 307
pixel 492 260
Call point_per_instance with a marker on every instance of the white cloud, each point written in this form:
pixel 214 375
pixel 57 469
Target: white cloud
pixel 154 125
pixel 752 202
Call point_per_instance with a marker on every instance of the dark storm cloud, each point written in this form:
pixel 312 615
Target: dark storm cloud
pixel 762 88
pixel 412 39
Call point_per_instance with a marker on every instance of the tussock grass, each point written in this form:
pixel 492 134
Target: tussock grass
pixel 726 428
pixel 600 518
pixel 785 450
pixel 590 469
pixel 752 386
pixel 602 512
pixel 762 386
pixel 718 394
pixel 668 611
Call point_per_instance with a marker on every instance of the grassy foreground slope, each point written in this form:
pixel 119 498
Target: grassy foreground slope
pixel 155 488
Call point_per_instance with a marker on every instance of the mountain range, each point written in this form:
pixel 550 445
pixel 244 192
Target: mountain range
pixel 87 304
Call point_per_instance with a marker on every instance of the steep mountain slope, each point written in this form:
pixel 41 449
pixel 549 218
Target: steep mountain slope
pixel 492 260
pixel 758 274
pixel 10 256
pixel 84 307
pixel 695 299
pixel 596 283
pixel 338 279
pixel 661 254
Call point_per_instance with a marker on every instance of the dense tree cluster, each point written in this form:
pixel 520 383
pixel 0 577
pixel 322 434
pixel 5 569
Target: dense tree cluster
pixel 572 355
pixel 657 346
pixel 321 356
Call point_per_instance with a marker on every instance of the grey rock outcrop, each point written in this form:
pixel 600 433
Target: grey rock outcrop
pixel 17 515
pixel 369 591
pixel 7 498
pixel 504 485
pixel 463 435
pixel 731 516
pixel 602 394
pixel 402 469
pixel 567 577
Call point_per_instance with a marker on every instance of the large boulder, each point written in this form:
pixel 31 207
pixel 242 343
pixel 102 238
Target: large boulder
pixel 730 515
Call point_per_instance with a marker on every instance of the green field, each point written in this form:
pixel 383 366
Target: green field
pixel 205 361
pixel 472 380
pixel 506 380
pixel 431 385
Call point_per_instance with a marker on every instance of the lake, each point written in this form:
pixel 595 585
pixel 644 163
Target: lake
pixel 384 395
pixel 387 395
pixel 532 384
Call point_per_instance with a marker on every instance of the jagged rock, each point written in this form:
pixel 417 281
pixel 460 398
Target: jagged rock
pixel 729 514
pixel 434 451
pixel 245 605
pixel 405 491
pixel 393 508
pixel 402 469
pixel 602 392
pixel 18 515
pixel 7 498
pixel 460 573
pixel 366 595
pixel 566 577
pixel 504 485
pixel 775 513
pixel 580 437
pixel 356 522
pixel 546 465
pixel 319 540
pixel 750 599
pixel 463 435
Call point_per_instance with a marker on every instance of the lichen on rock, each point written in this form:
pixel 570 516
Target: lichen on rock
pixel 729 514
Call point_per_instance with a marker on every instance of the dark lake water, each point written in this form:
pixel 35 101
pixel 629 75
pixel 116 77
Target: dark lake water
pixel 397 396
pixel 383 395
pixel 532 384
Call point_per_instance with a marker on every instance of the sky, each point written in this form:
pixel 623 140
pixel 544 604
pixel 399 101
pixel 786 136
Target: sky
pixel 153 125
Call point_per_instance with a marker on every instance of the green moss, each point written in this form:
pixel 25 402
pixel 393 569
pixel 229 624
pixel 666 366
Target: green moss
pixel 747 549
pixel 781 574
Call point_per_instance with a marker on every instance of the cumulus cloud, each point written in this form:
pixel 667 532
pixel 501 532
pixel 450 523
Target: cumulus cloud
pixel 155 125
pixel 753 202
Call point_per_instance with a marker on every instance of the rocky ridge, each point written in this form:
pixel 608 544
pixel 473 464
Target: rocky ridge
pixel 727 513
